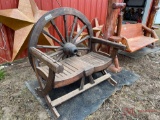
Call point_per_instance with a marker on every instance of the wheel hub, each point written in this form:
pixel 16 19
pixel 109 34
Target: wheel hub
pixel 70 49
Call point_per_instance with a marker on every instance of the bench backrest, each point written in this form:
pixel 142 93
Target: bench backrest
pixel 132 30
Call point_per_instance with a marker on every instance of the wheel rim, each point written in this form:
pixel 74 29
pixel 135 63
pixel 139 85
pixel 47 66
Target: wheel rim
pixel 66 41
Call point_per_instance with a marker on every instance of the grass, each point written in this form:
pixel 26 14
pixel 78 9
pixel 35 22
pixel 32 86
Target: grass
pixel 2 74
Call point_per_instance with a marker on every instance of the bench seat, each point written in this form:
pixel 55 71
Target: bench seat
pixel 139 42
pixel 76 67
pixel 134 36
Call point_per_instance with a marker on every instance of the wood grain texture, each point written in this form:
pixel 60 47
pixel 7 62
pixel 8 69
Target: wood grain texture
pixel 134 38
pixel 62 71
pixel 152 13
pixel 68 96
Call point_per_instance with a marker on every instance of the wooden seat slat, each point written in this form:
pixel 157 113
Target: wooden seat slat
pixel 101 57
pixel 86 67
pixel 69 67
pixel 72 67
pixel 68 70
pixel 69 64
pixel 97 61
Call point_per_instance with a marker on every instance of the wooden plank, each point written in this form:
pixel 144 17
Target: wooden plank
pixel 79 63
pixel 42 73
pixel 131 30
pixel 91 59
pixel 70 95
pixel 107 42
pixel 68 70
pixel 102 57
pixel 55 66
pixel 68 66
pixel 87 68
pixel 138 42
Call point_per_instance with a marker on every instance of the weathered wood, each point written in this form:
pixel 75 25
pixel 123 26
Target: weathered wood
pixel 73 27
pixel 99 62
pixel 82 48
pixel 116 39
pixel 60 57
pixel 112 81
pixel 53 109
pixel 107 42
pixel 91 79
pixel 152 13
pixel 111 20
pixel 67 67
pixel 70 95
pixel 119 25
pixel 53 38
pixel 78 34
pixel 66 27
pixel 83 39
pixel 82 83
pixel 103 53
pixel 57 30
pixel 56 53
pixel 50 47
pixel 55 66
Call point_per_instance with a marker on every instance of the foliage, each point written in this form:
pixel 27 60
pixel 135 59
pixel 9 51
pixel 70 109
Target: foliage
pixel 2 74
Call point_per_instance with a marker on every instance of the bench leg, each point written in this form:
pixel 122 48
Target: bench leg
pixel 52 104
pixel 115 68
pixel 82 83
pixel 151 45
pixel 53 109
pixel 91 79
pixel 110 80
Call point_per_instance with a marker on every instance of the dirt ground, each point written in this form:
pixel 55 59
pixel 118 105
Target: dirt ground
pixel 140 101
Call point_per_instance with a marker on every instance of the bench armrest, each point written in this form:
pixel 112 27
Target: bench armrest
pixel 152 32
pixel 155 27
pixel 116 39
pixel 51 63
pixel 107 42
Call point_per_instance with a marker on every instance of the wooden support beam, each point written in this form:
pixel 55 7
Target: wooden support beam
pixel 152 14
pixel 70 95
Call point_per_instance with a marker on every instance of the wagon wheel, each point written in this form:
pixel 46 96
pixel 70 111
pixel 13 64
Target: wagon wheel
pixel 67 43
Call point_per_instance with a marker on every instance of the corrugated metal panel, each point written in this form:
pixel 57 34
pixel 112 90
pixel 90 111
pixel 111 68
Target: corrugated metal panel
pixel 91 8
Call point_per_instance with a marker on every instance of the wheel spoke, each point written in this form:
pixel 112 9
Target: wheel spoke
pixel 65 56
pixel 56 53
pixel 65 26
pixel 75 38
pixel 60 57
pixel 73 27
pixel 53 38
pixel 83 39
pixel 82 48
pixel 50 47
pixel 57 30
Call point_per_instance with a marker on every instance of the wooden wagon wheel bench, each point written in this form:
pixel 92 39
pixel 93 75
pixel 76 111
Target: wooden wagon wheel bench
pixel 66 65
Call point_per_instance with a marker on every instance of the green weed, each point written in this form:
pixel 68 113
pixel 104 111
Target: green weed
pixel 2 74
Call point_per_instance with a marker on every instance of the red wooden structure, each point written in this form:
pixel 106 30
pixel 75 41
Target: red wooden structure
pixel 95 9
